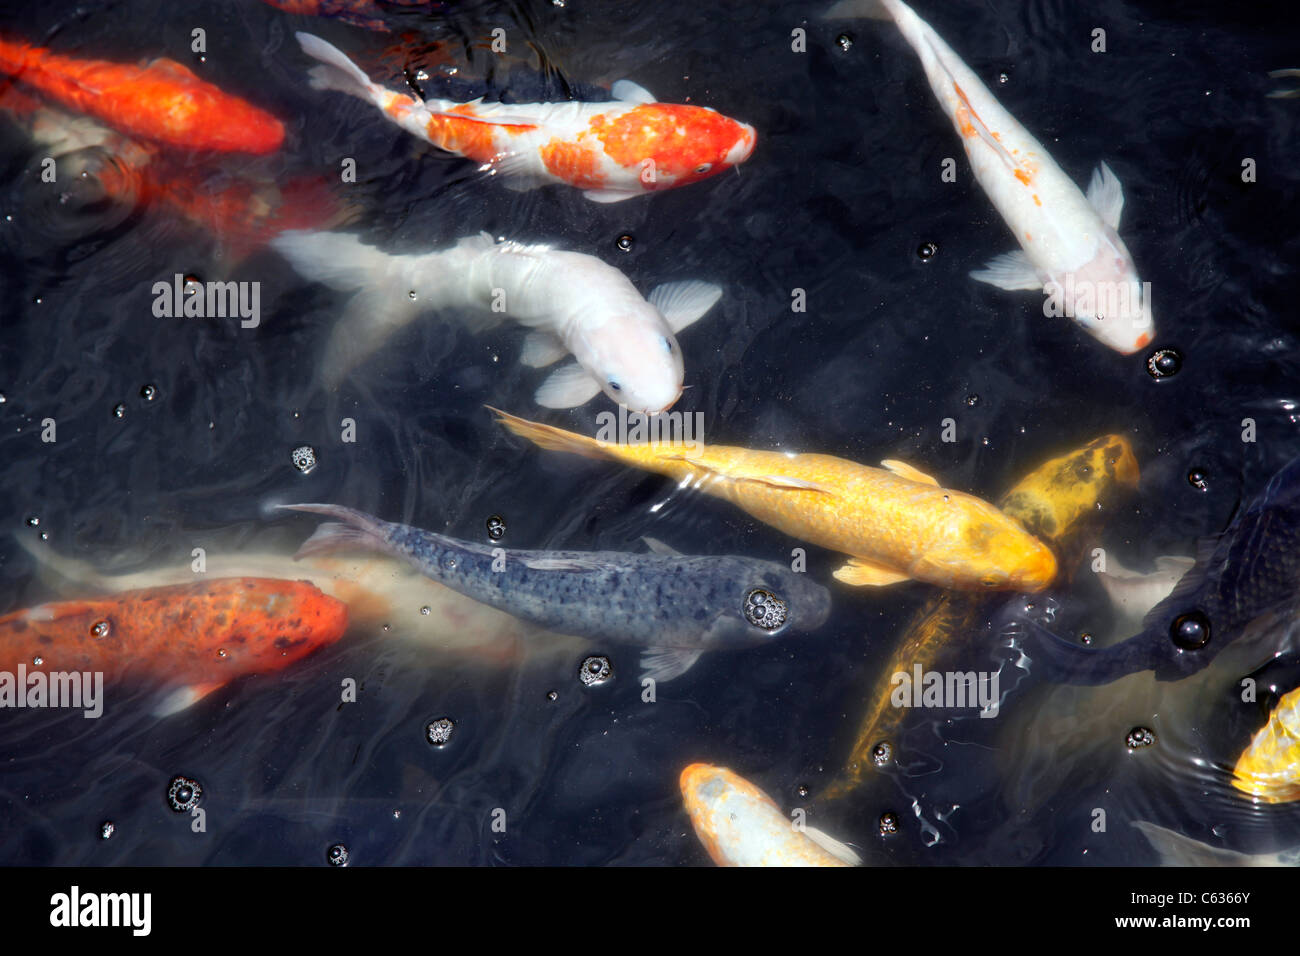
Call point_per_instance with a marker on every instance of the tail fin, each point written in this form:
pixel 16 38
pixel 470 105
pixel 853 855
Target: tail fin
pixel 358 530
pixel 336 259
pixel 57 571
pixel 337 72
pixel 552 438
pixel 1178 850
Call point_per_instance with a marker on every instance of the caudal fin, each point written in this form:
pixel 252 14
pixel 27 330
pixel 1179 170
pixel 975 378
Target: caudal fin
pixel 1178 850
pixel 336 71
pixel 354 530
pixel 552 438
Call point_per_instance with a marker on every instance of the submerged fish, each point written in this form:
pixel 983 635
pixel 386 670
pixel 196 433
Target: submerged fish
pixel 1071 250
pixel 1178 850
pixel 366 14
pixel 740 825
pixel 194 638
pixel 384 595
pixel 612 151
pixel 1240 578
pixel 162 101
pixel 574 303
pixel 896 522
pixel 1055 501
pixel 1133 593
pixel 674 605
pixel 1269 768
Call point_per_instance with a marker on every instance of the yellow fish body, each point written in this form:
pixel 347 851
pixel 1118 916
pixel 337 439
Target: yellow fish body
pixel 1054 501
pixel 896 522
pixel 1269 768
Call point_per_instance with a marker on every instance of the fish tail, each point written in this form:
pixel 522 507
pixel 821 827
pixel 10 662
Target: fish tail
pixel 18 56
pixel 336 259
pixel 554 439
pixel 353 530
pixel 336 71
pixel 54 568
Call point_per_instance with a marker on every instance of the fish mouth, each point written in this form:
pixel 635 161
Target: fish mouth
pixel 743 148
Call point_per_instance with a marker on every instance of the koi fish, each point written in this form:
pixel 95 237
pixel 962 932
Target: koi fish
pixel 1240 581
pixel 1269 768
pixel 1178 850
pixel 740 825
pixel 676 606
pixel 896 522
pixel 196 638
pixel 358 13
pixel 161 101
pixel 1070 248
pixel 612 151
pixel 383 595
pixel 575 304
pixel 1056 501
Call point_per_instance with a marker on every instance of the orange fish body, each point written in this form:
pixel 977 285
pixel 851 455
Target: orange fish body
pixel 896 522
pixel 196 637
pixel 612 151
pixel 1269 768
pixel 161 101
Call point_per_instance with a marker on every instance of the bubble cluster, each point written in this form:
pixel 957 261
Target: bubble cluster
pixel 764 609
pixel 337 855
pixel 304 458
pixel 595 670
pixel 882 753
pixel 106 829
pixel 439 731
pixel 496 527
pixel 119 410
pixel 845 42
pixel 183 794
pixel 888 823
pixel 1196 478
pixel 1139 737
pixel 148 392
pixel 803 791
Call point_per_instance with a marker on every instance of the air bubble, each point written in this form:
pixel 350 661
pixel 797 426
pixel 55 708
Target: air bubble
pixel 148 392
pixel 1190 631
pixel 845 42
pixel 552 695
pixel 337 855
pixel 33 521
pixel 439 731
pixel 304 458
pixel 183 794
pixel 100 630
pixel 496 527
pixel 803 791
pixel 1163 363
pixel 425 610
pixel 38 661
pixel 927 251
pixel 119 410
pixel 888 823
pixel 625 242
pixel 882 753
pixel 106 829
pixel 1196 478
pixel 595 670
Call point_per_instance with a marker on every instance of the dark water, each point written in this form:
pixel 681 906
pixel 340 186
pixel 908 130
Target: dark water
pixel 840 194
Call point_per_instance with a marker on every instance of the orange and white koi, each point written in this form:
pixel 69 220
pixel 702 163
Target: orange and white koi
pixel 612 151
pixel 161 101
pixel 740 825
pixel 194 638
pixel 1070 248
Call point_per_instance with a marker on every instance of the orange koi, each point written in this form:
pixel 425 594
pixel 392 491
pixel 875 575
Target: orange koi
pixel 195 638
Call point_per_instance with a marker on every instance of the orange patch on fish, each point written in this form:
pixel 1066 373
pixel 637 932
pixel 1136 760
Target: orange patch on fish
pixel 1024 177
pixel 1037 201
pixel 460 130
pixel 1143 340
pixel 576 163
pixel 678 139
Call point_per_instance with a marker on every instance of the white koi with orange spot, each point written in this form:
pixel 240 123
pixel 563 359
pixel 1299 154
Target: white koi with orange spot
pixel 1071 249
pixel 612 151
pixel 740 825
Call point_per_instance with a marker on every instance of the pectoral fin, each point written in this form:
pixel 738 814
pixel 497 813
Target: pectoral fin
pixel 628 92
pixel 664 664
pixel 610 195
pixel 1011 271
pixel 836 848
pixel 567 387
pixel 861 573
pixel 681 303
pixel 904 470
pixel 542 349
pixel 184 697
pixel 658 547
pixel 1106 195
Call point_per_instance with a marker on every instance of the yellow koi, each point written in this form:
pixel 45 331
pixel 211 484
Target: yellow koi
pixel 1054 502
pixel 896 522
pixel 1269 768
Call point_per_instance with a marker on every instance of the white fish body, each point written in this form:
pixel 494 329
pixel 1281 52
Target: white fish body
pixel 740 825
pixel 1178 850
pixel 575 304
pixel 1070 248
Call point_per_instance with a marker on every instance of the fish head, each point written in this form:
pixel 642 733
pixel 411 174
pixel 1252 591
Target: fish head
pixel 1054 499
pixel 667 145
pixel 993 553
pixel 779 601
pixel 635 357
pixel 1107 298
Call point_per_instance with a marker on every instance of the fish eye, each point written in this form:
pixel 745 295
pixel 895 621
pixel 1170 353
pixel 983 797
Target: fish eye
pixel 989 581
pixel 668 346
pixel 703 168
pixel 615 386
